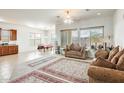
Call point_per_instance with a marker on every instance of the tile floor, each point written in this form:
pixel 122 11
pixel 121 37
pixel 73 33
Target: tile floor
pixel 13 66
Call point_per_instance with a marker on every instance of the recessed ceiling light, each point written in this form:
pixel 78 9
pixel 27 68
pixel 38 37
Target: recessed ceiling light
pixel 98 13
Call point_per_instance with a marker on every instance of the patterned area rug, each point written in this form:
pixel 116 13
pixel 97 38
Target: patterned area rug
pixel 41 61
pixel 37 77
pixel 68 69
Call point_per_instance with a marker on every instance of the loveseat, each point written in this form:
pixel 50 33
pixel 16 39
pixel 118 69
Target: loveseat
pixel 75 51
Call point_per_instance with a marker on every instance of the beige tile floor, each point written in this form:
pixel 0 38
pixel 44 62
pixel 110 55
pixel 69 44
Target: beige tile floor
pixel 13 66
pixel 9 62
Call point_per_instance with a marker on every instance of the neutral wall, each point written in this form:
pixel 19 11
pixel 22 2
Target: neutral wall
pixel 22 35
pixel 119 28
pixel 106 21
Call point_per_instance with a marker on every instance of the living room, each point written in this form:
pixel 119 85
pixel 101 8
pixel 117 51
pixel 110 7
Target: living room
pixel 60 45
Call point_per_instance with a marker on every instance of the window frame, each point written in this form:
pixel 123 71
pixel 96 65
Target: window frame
pixel 79 30
pixel 90 31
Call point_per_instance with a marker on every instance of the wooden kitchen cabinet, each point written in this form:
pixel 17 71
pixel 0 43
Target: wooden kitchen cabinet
pixel 13 35
pixel 7 36
pixel 0 34
pixel 8 49
pixel 0 50
pixel 13 49
pixel 5 50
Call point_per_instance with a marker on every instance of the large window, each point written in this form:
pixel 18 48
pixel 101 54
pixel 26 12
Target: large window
pixel 69 36
pixel 43 37
pixel 91 36
pixel 53 37
pixel 96 35
pixel 75 36
pixel 64 38
pixel 85 36
pixel 38 39
pixel 35 39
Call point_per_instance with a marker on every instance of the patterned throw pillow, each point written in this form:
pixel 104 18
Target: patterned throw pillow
pixel 113 52
pixel 117 56
pixel 120 64
pixel 75 47
pixel 103 63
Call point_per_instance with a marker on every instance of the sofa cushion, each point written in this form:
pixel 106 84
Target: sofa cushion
pixel 71 52
pixel 120 63
pixel 103 63
pixel 75 47
pixel 113 52
pixel 117 56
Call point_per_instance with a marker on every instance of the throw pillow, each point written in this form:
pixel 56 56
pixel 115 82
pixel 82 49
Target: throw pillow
pixel 75 47
pixel 117 56
pixel 103 63
pixel 120 64
pixel 113 52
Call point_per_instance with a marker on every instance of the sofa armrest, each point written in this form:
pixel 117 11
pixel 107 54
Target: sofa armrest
pixel 103 63
pixel 106 74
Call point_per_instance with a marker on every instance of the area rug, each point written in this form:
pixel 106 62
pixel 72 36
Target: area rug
pixel 68 69
pixel 37 77
pixel 41 61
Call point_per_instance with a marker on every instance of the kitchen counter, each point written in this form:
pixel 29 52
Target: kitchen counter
pixel 9 45
pixel 8 49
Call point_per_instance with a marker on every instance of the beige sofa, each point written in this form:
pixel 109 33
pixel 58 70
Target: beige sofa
pixel 75 51
pixel 105 75
pixel 109 70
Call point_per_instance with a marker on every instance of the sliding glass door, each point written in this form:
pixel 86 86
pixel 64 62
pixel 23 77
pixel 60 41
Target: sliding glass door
pixel 96 35
pixel 68 37
pixel 91 36
pixel 64 37
pixel 84 36
pixel 75 36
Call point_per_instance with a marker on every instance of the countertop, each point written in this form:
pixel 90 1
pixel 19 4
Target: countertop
pixel 9 45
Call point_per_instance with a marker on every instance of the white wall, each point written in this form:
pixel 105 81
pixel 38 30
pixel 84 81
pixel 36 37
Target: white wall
pixel 106 21
pixel 119 28
pixel 22 35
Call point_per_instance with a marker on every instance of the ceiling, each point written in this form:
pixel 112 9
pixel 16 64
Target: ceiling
pixel 41 18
